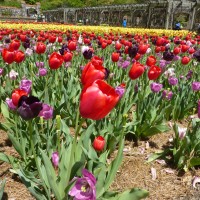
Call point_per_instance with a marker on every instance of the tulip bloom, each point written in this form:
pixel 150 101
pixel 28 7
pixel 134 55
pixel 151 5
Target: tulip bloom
pixel 97 100
pixel 8 56
pixel 40 48
pixel 115 56
pixel 91 73
pixel 55 60
pixel 154 72
pixel 29 107
pixel 136 70
pixel 26 85
pixel 151 60
pixel 84 188
pixel 14 45
pixel 185 60
pixel 196 86
pixel 46 112
pixel 19 56
pixel 156 87
pixel 67 56
pixel 72 46
pixel 17 94
pixel 99 143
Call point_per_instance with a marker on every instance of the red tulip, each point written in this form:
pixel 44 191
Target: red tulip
pixel 176 50
pixel 99 143
pixel 136 70
pixel 97 100
pixel 60 39
pixel 118 46
pixel 142 49
pixel 151 60
pixel 115 56
pixel 16 96
pixel 19 56
pixel 55 60
pixel 14 45
pixel 72 46
pixel 185 60
pixel 91 73
pixel 157 49
pixel 191 50
pixel 184 48
pixel 8 56
pixel 96 60
pixel 67 56
pixel 154 72
pixel 104 45
pixel 52 38
pixel 40 48
pixel 22 37
pixel 137 57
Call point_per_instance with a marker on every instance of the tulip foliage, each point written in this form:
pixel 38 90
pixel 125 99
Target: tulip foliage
pixel 69 98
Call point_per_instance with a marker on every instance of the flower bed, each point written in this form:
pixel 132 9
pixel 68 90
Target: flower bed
pixel 104 84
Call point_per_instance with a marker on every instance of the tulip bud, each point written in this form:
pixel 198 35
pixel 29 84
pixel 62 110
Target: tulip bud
pixel 55 159
pixel 99 143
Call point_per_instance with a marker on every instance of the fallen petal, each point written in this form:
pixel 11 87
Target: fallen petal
pixel 162 162
pixel 153 173
pixel 147 145
pixel 169 171
pixel 195 180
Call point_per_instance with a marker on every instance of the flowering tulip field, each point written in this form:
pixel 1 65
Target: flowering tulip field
pixel 70 95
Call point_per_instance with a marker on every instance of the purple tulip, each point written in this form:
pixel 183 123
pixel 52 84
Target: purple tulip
pixel 196 86
pixel 167 94
pixel 10 104
pixel 189 74
pixel 39 64
pixel 156 87
pixel 125 64
pixel 197 55
pixel 55 159
pixel 29 107
pixel 120 90
pixel 26 85
pixel 173 81
pixel 84 188
pixel 1 71
pixel 168 56
pixel 42 71
pixel 46 112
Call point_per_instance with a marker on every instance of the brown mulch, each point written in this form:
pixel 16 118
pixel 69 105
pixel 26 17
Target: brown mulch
pixel 134 172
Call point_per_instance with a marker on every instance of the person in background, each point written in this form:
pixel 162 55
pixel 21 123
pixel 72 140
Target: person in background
pixel 124 22
pixel 178 26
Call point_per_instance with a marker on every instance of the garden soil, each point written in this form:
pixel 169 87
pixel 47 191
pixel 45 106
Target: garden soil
pixel 166 183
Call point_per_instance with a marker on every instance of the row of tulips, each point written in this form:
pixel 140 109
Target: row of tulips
pixel 70 97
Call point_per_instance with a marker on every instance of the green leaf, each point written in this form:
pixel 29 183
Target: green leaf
pixel 32 186
pixel 16 144
pixel 4 110
pixel 194 162
pixel 154 156
pixel 6 158
pixel 2 185
pixel 133 194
